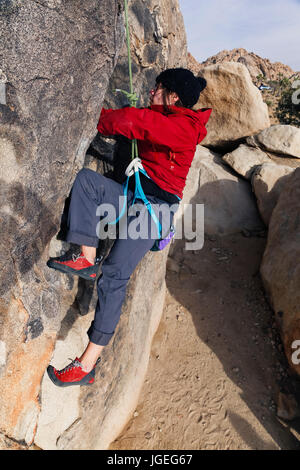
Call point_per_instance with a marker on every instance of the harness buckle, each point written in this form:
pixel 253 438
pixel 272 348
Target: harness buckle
pixel 134 166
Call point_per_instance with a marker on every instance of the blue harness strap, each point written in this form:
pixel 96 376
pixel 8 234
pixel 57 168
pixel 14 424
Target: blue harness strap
pixel 138 194
pixel 134 168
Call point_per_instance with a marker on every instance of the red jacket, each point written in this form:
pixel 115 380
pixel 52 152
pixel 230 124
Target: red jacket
pixel 166 140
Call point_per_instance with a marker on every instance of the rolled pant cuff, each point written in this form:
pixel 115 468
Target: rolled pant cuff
pixel 81 239
pixel 98 337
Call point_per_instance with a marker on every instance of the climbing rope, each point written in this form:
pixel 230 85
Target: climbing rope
pixel 136 167
pixel 131 96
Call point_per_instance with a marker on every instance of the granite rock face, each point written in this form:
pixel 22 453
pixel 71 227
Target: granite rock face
pixel 57 58
pixel 158 41
pixel 280 268
pixel 228 203
pixel 268 180
pixel 60 59
pixel 245 159
pixel 282 139
pixel 267 176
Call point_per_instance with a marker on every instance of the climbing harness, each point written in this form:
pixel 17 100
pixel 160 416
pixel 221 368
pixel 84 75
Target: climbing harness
pixel 135 167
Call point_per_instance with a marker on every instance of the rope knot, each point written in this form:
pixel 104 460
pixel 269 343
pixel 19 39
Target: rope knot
pixel 132 98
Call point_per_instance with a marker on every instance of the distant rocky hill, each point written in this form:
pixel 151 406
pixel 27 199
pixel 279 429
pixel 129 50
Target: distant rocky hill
pixel 257 66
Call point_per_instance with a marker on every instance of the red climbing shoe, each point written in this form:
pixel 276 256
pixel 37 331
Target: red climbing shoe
pixel 72 374
pixel 75 263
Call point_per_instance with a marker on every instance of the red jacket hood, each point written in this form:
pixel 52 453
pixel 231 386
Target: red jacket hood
pixel 200 116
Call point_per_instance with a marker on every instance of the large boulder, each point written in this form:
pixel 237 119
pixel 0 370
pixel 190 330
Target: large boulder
pixel 57 72
pixel 229 205
pixel 267 175
pixel 268 180
pixel 282 139
pixel 238 107
pixel 280 268
pixel 245 159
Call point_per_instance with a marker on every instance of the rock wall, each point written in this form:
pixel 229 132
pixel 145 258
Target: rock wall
pixel 58 59
pixel 158 41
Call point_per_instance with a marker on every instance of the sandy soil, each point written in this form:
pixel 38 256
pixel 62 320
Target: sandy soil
pixel 216 362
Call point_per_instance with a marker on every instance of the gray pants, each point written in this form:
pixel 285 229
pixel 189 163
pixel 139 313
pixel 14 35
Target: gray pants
pixel 89 191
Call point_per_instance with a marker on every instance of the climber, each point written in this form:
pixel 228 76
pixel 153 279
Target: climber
pixel 167 133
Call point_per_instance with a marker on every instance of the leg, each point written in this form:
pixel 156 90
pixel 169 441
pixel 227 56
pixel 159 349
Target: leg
pixel 89 252
pixel 89 192
pixel 89 357
pixel 116 272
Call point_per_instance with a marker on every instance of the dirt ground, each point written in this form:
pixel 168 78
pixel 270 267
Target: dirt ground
pixel 216 363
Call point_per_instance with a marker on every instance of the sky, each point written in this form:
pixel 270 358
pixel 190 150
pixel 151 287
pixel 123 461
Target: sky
pixel 269 28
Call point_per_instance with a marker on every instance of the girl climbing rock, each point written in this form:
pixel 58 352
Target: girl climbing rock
pixel 167 133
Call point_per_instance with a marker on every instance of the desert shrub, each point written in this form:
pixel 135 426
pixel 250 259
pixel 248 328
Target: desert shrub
pixel 288 108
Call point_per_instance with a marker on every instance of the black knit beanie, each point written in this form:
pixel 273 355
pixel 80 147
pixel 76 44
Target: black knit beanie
pixel 184 83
